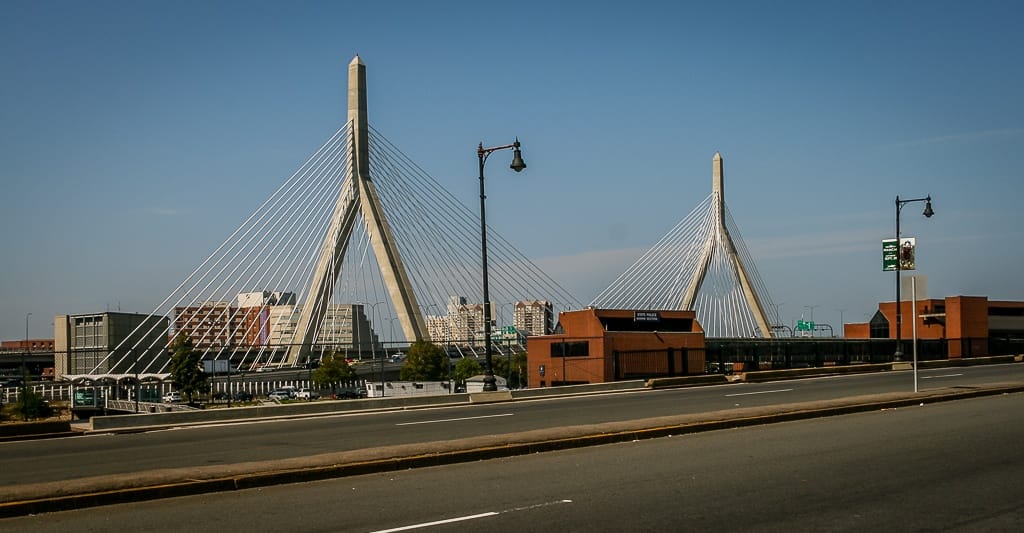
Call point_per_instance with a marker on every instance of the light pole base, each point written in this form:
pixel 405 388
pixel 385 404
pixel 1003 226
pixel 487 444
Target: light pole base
pixel 490 384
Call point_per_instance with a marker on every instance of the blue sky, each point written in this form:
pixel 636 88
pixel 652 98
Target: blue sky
pixel 135 136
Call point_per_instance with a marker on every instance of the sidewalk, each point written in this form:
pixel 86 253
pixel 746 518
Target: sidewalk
pixel 166 483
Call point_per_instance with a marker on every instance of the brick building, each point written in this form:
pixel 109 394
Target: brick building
pixel 38 345
pixel 602 345
pixel 967 323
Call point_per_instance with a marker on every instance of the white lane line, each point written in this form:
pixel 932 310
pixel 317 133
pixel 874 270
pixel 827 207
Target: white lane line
pixel 472 517
pixel 451 419
pixel 942 376
pixel 437 523
pixel 759 392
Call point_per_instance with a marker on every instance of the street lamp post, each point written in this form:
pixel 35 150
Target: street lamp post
pixel 517 165
pixel 899 312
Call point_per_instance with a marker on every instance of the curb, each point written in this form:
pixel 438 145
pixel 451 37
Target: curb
pixel 477 450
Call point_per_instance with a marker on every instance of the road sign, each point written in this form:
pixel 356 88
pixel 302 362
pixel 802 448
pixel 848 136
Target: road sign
pixel 804 325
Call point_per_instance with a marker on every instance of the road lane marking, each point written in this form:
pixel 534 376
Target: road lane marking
pixel 438 523
pixel 759 392
pixel 942 376
pixel 472 517
pixel 451 419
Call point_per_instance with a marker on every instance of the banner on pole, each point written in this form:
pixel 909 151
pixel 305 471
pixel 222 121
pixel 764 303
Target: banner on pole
pixel 903 251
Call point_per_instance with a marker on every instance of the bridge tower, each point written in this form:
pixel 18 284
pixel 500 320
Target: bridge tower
pixel 702 264
pixel 358 197
pixel 719 234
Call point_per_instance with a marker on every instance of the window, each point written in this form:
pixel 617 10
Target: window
pixel 879 326
pixel 570 349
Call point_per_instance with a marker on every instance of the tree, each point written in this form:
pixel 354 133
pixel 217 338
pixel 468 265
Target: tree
pixel 467 367
pixel 425 361
pixel 186 374
pixel 519 363
pixel 30 405
pixel 333 370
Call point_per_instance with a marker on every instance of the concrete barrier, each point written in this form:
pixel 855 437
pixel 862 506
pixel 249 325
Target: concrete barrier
pixel 32 430
pixel 286 410
pixel 590 388
pixel 686 381
pixel 490 396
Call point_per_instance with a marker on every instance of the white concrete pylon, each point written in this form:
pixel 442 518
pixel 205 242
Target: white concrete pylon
pixel 359 198
pixel 720 234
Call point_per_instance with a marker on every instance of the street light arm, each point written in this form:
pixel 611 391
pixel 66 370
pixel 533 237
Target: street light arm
pixel 928 212
pixel 484 152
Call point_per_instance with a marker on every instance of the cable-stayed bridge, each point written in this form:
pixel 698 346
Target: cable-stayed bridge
pixel 701 264
pixel 360 244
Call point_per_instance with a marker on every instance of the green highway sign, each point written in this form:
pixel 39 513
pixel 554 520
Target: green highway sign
pixel 804 325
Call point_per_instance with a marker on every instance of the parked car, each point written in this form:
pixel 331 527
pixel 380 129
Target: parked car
pixel 280 394
pixel 307 394
pixel 242 396
pixel 172 397
pixel 351 394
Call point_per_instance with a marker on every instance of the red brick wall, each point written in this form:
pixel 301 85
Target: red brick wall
pixel 598 366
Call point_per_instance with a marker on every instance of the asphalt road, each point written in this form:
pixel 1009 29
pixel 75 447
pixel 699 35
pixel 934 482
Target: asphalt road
pixel 952 466
pixel 75 457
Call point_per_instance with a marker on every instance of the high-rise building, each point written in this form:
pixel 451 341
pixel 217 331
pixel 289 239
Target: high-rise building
pixel 255 309
pixel 213 324
pixel 466 321
pixel 533 317
pixel 257 299
pixel 335 332
pixel 439 328
pixel 109 343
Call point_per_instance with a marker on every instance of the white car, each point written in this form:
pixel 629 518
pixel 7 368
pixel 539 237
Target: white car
pixel 172 397
pixel 307 394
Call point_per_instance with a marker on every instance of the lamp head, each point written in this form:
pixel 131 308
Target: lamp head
pixel 517 157
pixel 928 207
